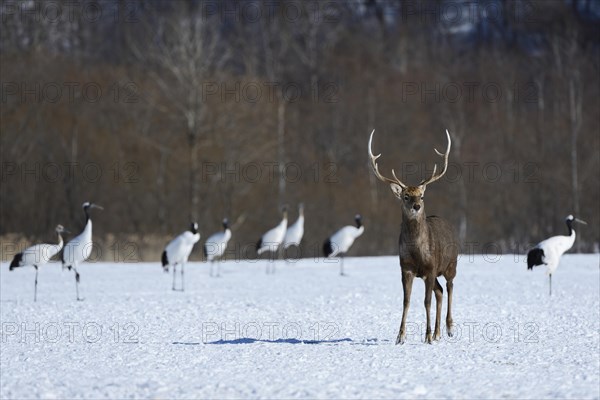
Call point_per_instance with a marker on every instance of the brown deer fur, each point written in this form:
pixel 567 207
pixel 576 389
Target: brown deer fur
pixel 428 248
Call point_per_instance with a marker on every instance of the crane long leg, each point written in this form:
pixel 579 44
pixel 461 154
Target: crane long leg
pixel 275 258
pixel 550 276
pixel 182 280
pixel 174 268
pixel 342 265
pixel 77 283
pixel 211 268
pixel 35 287
pixel 271 262
pixel 219 267
pixel 268 262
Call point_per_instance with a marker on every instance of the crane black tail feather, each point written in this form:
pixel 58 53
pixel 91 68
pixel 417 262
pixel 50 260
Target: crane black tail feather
pixel 164 259
pixel 16 261
pixel 535 257
pixel 327 248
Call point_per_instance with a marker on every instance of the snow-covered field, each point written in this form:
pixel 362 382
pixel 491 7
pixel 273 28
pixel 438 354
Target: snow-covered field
pixel 303 332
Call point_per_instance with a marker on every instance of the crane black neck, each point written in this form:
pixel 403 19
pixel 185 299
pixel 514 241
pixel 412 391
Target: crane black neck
pixel 87 214
pixel 570 226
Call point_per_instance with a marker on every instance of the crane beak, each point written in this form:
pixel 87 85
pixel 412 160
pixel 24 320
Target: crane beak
pixel 66 231
pixel 96 206
pixel 580 221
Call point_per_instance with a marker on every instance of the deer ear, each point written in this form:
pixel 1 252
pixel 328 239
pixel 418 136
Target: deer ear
pixel 422 187
pixel 396 189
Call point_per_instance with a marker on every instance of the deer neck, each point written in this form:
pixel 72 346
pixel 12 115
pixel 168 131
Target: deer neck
pixel 414 226
pixel 415 232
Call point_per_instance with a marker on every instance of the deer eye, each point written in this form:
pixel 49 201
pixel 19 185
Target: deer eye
pixel 406 197
pixel 422 197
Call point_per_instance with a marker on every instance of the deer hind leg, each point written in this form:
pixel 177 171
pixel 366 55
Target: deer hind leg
pixel 439 292
pixel 429 285
pixel 449 275
pixel 407 281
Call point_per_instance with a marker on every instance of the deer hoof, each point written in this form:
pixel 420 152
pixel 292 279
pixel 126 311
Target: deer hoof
pixel 400 339
pixel 437 336
pixel 428 339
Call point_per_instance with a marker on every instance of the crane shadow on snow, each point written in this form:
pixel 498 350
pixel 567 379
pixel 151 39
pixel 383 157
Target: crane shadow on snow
pixel 366 342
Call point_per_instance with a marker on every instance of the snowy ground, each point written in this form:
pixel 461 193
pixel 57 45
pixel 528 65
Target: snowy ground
pixel 304 332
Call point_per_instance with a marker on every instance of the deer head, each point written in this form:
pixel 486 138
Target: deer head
pixel 411 196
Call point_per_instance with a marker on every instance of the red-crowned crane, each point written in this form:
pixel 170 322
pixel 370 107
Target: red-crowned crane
pixel 178 251
pixel 38 255
pixel 549 251
pixel 340 242
pixel 78 249
pixel 271 241
pixel 215 246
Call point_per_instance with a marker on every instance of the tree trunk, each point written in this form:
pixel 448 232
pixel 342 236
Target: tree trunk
pixel 194 184
pixel 70 179
pixel 160 189
pixel 371 125
pixel 281 148
pixel 575 113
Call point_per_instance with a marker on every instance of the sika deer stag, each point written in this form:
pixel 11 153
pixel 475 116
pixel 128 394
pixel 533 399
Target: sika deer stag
pixel 428 246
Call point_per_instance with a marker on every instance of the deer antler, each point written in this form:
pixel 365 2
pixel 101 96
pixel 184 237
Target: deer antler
pixel 435 177
pixel 376 168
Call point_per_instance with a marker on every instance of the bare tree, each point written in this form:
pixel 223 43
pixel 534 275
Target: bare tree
pixel 276 44
pixel 185 52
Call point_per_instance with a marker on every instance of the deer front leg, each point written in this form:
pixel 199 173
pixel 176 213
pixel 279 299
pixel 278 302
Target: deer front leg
pixel 429 285
pixel 449 287
pixel 439 292
pixel 407 281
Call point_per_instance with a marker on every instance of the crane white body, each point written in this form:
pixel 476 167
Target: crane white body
pixel 78 249
pixel 340 242
pixel 295 232
pixel 37 256
pixel 548 252
pixel 554 248
pixel 343 239
pixel 215 246
pixel 178 251
pixel 271 241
